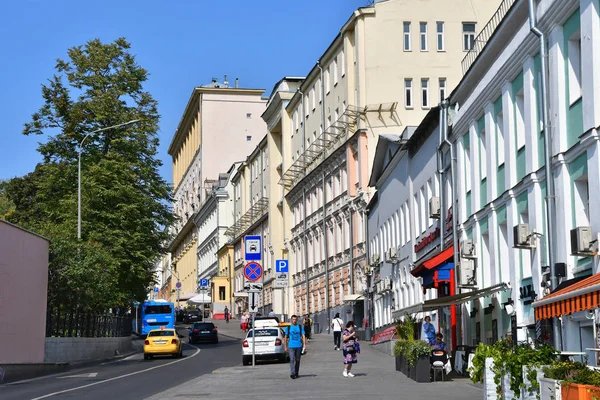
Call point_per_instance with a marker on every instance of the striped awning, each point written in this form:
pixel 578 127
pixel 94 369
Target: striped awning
pixel 580 296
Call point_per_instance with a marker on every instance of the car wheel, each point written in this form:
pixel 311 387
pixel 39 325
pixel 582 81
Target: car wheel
pixel 246 360
pixel 146 357
pixel 216 341
pixel 282 358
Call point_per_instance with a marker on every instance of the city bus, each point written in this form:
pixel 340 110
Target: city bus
pixel 153 314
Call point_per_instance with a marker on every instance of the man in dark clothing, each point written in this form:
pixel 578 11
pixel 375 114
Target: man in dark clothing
pixel 226 311
pixel 307 326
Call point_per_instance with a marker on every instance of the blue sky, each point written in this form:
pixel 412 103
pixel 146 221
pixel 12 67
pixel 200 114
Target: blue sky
pixel 181 43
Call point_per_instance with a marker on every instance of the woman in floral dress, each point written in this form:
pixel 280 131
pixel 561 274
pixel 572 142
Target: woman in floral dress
pixel 350 348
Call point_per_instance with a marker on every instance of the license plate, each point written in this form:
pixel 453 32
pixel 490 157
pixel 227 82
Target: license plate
pixel 262 344
pixel 160 342
pixel 205 332
pixel 151 320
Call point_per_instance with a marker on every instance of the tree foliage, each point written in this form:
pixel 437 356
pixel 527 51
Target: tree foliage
pixel 124 199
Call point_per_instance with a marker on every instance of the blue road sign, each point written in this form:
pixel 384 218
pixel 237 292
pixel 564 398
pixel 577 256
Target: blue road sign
pixel 253 248
pixel 178 285
pixel 203 282
pixel 282 266
pixel 253 271
pixel 155 290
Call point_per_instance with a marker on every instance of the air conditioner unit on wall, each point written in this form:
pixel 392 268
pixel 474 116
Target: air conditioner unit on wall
pixel 583 242
pixel 375 258
pixel 387 284
pixel 434 208
pixel 467 249
pixel 467 272
pixel 522 237
pixel 391 255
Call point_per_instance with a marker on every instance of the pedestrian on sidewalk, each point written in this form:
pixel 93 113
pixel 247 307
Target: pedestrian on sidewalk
pixel 338 326
pixel 294 344
pixel 226 311
pixel 349 348
pixel 244 321
pixel 308 326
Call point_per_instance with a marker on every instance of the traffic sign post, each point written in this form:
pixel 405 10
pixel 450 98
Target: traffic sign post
pixel 281 273
pixel 253 308
pixel 203 284
pixel 253 248
pixel 253 271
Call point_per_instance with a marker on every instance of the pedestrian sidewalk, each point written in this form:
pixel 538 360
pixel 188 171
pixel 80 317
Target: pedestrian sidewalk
pixel 231 329
pixel 320 378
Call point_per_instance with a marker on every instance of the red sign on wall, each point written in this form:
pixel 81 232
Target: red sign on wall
pixel 384 336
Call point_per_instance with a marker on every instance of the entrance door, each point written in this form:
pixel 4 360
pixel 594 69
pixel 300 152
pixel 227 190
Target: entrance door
pixel 587 342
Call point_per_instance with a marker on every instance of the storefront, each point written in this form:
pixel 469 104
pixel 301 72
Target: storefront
pixel 577 307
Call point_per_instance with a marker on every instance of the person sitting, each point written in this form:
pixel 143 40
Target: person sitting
pixel 438 343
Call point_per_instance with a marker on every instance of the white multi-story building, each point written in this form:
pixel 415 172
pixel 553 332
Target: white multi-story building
pixel 500 123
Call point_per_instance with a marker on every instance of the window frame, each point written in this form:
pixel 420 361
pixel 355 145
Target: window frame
pixel 425 93
pixel 407 36
pixel 442 88
pixel 440 35
pixel 408 93
pixel 470 34
pixel 423 45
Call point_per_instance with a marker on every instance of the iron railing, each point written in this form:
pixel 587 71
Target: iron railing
pixel 73 323
pixel 486 33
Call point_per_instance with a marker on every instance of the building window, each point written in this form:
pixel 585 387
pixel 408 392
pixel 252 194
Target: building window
pixel 423 35
pixel 335 71
pixel 425 93
pixel 440 36
pixel 442 82
pixel 408 103
pixel 248 138
pixel 327 81
pixel 313 99
pixel 468 36
pixel 248 115
pixel 222 293
pixel 343 62
pixel 574 54
pixel 407 36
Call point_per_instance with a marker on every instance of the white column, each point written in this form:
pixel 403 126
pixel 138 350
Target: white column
pixel 590 63
pixel 536 224
pixel 558 91
pixel 490 145
pixel 531 116
pixel 510 137
pixel 512 218
pixel 564 216
pixel 475 179
pixel 593 154
pixel 459 191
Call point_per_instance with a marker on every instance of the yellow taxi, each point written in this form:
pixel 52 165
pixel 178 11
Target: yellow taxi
pixel 163 341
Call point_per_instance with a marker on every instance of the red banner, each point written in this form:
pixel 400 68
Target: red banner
pixel 384 336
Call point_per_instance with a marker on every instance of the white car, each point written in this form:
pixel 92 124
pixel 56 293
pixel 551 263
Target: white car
pixel 269 345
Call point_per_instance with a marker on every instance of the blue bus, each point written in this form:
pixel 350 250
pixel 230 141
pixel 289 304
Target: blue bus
pixel 152 314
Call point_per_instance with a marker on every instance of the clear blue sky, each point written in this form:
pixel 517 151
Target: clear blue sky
pixel 182 44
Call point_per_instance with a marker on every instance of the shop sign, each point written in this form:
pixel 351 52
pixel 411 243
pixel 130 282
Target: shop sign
pixel 427 240
pixel 384 336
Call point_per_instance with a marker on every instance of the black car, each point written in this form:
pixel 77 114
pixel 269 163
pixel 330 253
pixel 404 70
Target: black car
pixel 203 332
pixel 192 316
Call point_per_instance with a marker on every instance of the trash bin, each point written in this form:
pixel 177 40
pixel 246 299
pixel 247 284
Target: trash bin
pixel 316 328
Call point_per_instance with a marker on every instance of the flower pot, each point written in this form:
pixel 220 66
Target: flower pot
pixel 399 363
pixel 550 389
pixel 575 391
pixel 421 371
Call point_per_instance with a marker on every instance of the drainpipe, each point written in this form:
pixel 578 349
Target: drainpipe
pixel 444 134
pixel 325 246
pixel 368 277
pixel 550 195
pixel 305 248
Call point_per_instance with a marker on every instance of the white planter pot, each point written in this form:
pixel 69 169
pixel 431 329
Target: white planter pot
pixel 550 389
pixel 489 387
pixel 525 393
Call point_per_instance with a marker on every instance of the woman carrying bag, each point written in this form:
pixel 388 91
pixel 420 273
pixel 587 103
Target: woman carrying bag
pixel 350 348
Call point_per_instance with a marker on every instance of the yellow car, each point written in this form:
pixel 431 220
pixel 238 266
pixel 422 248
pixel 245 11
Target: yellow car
pixel 163 341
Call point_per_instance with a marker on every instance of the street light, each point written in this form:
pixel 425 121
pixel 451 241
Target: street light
pixel 79 170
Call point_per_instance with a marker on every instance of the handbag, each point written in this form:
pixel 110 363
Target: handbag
pixel 351 349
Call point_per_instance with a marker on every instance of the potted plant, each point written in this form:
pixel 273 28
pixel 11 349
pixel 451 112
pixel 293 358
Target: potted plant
pixel 405 331
pixel 418 359
pixel 400 350
pixel 578 381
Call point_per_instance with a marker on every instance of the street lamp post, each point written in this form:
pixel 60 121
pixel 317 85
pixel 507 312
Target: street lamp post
pixel 79 169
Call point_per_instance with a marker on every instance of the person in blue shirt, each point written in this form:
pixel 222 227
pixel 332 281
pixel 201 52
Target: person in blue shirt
pixel 428 330
pixel 438 343
pixel 294 344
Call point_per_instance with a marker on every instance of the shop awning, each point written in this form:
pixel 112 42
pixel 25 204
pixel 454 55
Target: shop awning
pixel 433 262
pixel 187 296
pixel 580 296
pixel 240 294
pixel 353 297
pixel 201 298
pixel 446 301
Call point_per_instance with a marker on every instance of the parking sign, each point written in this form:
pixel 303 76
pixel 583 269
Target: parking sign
pixel 281 266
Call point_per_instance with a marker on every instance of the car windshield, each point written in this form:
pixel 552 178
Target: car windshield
pixel 158 310
pixel 264 333
pixel 161 333
pixel 207 326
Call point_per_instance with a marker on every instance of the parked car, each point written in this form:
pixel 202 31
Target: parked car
pixel 163 342
pixel 269 345
pixel 263 322
pixel 203 332
pixel 192 316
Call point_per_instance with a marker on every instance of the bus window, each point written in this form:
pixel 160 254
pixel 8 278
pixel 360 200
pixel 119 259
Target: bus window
pixel 158 310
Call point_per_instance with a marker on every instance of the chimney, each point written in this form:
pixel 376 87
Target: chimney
pixel 237 83
pixel 225 83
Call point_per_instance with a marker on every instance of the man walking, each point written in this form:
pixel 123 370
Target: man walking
pixel 338 326
pixel 294 344
pixel 226 312
pixel 307 326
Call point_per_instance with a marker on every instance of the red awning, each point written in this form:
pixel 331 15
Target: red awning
pixel 580 296
pixel 433 261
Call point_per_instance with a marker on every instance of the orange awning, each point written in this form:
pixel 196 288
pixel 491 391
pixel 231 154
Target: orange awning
pixel 581 296
pixel 433 261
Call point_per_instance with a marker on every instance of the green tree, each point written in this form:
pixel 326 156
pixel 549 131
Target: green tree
pixel 6 205
pixel 124 200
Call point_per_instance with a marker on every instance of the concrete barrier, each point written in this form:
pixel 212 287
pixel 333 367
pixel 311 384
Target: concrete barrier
pixel 76 349
pixel 385 347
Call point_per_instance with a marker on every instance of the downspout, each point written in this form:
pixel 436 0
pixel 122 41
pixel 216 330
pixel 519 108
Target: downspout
pixel 305 248
pixel 324 208
pixel 368 277
pixel 550 195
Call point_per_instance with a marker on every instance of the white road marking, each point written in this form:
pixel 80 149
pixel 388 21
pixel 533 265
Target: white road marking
pixel 119 377
pixel 122 359
pixel 90 375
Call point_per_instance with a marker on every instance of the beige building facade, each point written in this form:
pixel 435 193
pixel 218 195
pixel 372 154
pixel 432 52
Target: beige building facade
pixel 389 65
pixel 220 125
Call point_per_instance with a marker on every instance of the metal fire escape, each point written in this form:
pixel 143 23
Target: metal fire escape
pixel 256 211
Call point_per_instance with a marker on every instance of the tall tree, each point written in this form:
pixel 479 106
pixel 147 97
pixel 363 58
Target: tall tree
pixel 124 199
pixel 6 205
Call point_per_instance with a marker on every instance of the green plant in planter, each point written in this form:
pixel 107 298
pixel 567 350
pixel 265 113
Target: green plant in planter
pixel 572 372
pixel 405 330
pixel 417 349
pixel 401 348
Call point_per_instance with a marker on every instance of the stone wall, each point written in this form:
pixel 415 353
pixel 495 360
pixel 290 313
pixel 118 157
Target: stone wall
pixel 76 349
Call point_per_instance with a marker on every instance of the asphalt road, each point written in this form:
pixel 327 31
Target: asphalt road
pixel 130 378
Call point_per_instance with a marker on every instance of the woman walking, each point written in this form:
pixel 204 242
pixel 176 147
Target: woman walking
pixel 244 322
pixel 350 348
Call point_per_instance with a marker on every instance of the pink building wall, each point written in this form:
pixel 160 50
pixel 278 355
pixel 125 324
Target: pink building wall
pixel 23 294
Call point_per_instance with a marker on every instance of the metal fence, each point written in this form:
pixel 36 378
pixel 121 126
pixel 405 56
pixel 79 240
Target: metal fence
pixel 486 33
pixel 72 323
